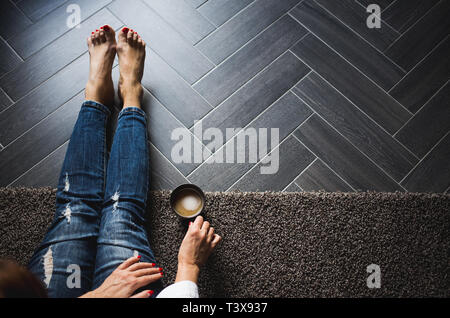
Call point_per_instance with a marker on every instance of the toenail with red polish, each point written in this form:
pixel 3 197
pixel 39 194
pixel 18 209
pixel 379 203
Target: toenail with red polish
pixel 101 28
pixel 125 30
pixel 106 27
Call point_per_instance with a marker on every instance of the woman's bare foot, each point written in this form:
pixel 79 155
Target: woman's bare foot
pixel 102 50
pixel 131 52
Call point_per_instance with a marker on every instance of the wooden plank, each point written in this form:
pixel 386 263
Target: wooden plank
pixel 46 173
pixel 404 13
pixel 36 9
pixel 416 88
pixel 163 39
pixel 195 3
pixel 293 159
pixel 382 3
pixel 219 11
pixel 45 31
pixel 5 101
pixel 428 125
pixel 344 158
pixel 422 37
pixel 352 14
pixel 21 155
pixel 9 59
pixel 285 114
pixel 293 188
pixel 318 177
pixel 359 129
pixel 349 45
pixel 242 66
pixel 52 58
pixel 432 173
pixel 44 100
pixel 163 176
pixel 242 28
pixel 161 124
pixel 370 98
pixel 258 94
pixel 183 17
pixel 12 20
pixel 173 91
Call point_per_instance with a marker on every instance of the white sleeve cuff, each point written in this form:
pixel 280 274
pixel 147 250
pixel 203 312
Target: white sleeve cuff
pixel 183 289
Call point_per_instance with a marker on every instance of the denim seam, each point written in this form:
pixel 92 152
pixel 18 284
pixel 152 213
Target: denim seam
pixel 148 168
pixel 133 110
pixel 101 107
pixel 105 164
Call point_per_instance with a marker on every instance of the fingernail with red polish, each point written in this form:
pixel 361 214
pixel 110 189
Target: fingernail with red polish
pixel 162 274
pixel 139 256
pixel 160 269
pixel 153 264
pixel 150 292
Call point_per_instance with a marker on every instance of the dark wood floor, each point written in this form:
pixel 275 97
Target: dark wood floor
pixel 357 108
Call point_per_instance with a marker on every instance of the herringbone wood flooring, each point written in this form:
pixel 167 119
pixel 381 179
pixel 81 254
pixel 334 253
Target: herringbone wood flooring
pixel 357 108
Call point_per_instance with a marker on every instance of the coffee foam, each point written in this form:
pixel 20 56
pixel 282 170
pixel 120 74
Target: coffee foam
pixel 188 202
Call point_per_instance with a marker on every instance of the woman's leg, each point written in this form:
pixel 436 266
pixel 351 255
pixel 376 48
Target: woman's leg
pixel 122 230
pixel 65 259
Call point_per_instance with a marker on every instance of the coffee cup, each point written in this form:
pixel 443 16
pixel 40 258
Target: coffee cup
pixel 187 201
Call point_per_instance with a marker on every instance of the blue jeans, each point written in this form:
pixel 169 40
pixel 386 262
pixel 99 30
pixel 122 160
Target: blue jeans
pixel 100 205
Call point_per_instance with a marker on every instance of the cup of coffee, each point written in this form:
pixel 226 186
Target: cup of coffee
pixel 187 201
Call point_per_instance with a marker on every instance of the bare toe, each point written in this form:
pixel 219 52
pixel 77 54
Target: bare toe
pixel 123 35
pixel 130 37
pixel 102 37
pixel 102 50
pixel 97 40
pixel 109 32
pixel 131 52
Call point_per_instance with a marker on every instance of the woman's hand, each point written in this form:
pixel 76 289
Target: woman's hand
pixel 126 279
pixel 197 245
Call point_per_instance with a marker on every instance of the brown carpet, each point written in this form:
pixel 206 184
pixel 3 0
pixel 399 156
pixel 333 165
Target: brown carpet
pixel 283 244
